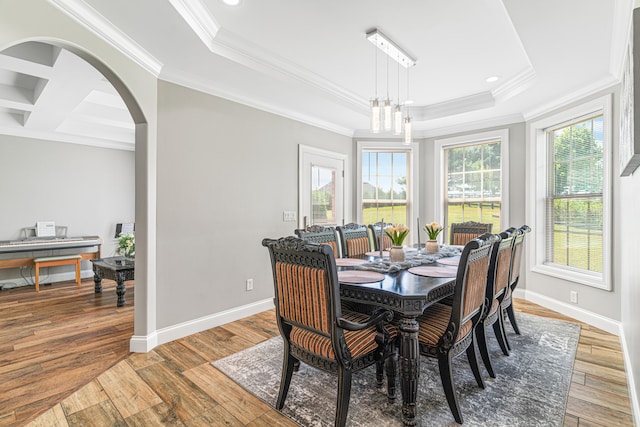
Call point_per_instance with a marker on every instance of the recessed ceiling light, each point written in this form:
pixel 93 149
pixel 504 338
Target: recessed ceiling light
pixel 492 79
pixel 232 2
pixel 408 101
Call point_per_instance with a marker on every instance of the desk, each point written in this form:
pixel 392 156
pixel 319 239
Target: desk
pixel 407 295
pixel 117 268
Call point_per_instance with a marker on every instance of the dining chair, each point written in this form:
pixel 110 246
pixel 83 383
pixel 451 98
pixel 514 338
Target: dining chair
pixel 462 232
pixel 320 234
pixel 514 274
pixel 375 231
pixel 313 326
pixel 354 239
pixel 447 331
pixel 497 283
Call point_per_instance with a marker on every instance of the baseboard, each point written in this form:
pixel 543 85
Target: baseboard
pixel 46 279
pixel 142 344
pixel 593 319
pixel 633 394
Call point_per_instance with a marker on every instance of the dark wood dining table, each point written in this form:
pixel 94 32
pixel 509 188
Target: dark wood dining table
pixel 407 295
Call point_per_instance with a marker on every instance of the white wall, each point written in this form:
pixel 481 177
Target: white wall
pixel 226 172
pixel 88 189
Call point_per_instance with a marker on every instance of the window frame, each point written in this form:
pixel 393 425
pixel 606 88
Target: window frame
pixel 537 189
pixel 441 145
pixel 412 187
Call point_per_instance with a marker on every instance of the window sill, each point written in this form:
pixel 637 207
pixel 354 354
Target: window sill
pixel 594 280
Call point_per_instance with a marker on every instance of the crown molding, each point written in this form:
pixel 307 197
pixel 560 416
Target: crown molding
pixel 199 18
pixel 452 107
pixel 515 85
pixel 470 126
pixel 207 87
pixel 96 23
pixel 62 137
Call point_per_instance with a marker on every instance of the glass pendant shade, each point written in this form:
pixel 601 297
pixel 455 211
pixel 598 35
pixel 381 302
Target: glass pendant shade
pixel 375 116
pixel 407 131
pixel 388 124
pixel 397 120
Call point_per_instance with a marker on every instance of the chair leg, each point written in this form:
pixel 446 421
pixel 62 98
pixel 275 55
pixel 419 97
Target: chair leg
pixel 380 372
pixel 446 376
pixel 498 329
pixel 484 351
pixel 512 318
pixel 344 393
pixel 472 356
pixel 285 380
pixel 392 370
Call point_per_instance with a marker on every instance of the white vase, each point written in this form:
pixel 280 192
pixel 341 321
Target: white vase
pixel 432 247
pixel 396 254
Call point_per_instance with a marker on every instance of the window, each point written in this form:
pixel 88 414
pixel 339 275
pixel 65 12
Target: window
pixel 569 205
pixel 476 177
pixel 384 186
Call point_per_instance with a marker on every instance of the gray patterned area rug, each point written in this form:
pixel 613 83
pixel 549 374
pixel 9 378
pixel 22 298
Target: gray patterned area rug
pixel 531 387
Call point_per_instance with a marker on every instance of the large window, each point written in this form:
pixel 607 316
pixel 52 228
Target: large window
pixel 385 179
pixel 574 200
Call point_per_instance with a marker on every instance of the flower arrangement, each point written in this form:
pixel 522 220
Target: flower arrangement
pixel 127 245
pixel 433 230
pixel 396 233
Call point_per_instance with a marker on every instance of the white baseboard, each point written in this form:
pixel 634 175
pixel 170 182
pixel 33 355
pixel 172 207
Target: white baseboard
pixel 593 319
pixel 633 394
pixel 49 278
pixel 143 344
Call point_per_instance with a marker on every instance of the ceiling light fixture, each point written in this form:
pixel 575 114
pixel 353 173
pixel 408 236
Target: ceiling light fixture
pixel 231 2
pixel 492 79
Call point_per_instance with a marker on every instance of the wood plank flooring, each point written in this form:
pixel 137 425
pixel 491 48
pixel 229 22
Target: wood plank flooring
pixel 175 384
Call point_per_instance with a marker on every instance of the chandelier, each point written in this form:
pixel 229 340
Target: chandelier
pixel 384 115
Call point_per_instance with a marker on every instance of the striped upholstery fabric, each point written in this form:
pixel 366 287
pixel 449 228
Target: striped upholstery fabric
pixel 433 323
pixel 303 296
pixel 386 242
pixel 357 246
pixel 358 342
pixel 515 271
pixel 502 270
pixel 494 307
pixel 462 239
pixel 475 287
pixel 334 246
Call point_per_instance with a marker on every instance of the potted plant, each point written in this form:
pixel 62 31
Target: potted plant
pixel 127 245
pixel 397 233
pixel 433 230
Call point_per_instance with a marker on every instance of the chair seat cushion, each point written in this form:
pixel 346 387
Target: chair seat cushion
pixel 433 323
pixel 359 343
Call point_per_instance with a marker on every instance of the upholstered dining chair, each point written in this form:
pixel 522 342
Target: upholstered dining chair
pixel 497 283
pixel 313 326
pixel 447 331
pixel 375 230
pixel 462 232
pixel 514 274
pixel 354 239
pixel 320 234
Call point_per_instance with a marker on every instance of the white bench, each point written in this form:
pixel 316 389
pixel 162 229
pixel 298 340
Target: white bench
pixel 53 261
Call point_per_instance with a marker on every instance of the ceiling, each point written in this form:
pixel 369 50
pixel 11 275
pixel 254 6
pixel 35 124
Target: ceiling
pixel 310 61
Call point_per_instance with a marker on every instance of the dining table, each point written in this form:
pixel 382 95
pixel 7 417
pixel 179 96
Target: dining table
pixel 407 294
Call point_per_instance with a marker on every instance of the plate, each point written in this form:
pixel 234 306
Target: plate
pixel 377 253
pixel 434 271
pixel 358 276
pixel 454 260
pixel 349 262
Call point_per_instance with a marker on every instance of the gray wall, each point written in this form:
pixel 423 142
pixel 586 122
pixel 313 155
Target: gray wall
pixel 88 189
pixel 225 174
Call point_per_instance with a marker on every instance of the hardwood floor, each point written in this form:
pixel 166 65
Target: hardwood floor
pixel 175 384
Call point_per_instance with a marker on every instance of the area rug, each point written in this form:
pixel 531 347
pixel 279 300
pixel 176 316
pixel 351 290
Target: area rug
pixel 531 387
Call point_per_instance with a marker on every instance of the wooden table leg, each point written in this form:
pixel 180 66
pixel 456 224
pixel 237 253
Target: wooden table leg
pixel 409 368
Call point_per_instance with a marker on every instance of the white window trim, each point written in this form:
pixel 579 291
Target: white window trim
pixel 537 191
pixel 412 190
pixel 460 141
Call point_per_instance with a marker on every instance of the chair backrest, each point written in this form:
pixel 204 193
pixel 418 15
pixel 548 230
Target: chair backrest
pixel 518 246
pixel 499 266
pixel 375 230
pixel 320 234
pixel 471 284
pixel 305 285
pixel 354 239
pixel 463 232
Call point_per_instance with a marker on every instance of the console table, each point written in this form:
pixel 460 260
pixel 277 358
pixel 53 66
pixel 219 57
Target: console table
pixel 117 268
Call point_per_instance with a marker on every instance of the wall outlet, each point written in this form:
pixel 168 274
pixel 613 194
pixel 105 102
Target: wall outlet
pixel 249 284
pixel 573 297
pixel 289 216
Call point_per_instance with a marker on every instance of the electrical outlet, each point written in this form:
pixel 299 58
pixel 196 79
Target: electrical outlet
pixel 573 296
pixel 289 216
pixel 249 284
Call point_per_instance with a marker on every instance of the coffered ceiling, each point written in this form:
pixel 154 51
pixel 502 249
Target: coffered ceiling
pixel 311 61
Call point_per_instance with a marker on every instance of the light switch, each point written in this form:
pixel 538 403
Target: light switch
pixel 289 216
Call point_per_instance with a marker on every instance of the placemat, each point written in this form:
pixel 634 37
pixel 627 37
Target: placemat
pixel 359 276
pixel 434 271
pixel 449 261
pixel 349 262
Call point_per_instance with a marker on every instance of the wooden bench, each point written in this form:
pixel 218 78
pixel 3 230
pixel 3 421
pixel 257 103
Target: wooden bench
pixel 53 261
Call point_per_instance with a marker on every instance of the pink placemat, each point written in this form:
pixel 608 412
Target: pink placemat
pixel 357 276
pixel 377 253
pixel 349 262
pixel 454 260
pixel 434 271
